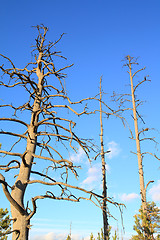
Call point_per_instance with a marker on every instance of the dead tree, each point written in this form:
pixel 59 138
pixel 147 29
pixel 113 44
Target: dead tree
pixel 139 134
pixel 42 124
pixel 137 137
pixel 104 184
pixel 105 110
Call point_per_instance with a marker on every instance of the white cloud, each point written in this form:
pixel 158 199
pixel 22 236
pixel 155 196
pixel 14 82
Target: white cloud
pixel 77 157
pixel 155 192
pixel 128 197
pixel 114 149
pixel 50 236
pixel 57 236
pixel 94 177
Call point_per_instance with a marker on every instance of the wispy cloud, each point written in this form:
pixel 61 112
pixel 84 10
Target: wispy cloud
pixel 112 146
pixel 78 157
pixel 128 197
pixel 50 236
pixel 94 176
pixel 114 149
pixel 155 191
pixel 57 236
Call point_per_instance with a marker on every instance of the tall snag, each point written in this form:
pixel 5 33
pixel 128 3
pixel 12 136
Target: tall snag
pixel 39 126
pixel 104 184
pixel 139 134
pixel 106 110
pixel 139 154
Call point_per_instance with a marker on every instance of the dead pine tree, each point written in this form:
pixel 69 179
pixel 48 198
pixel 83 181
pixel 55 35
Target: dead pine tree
pixel 139 135
pixel 106 110
pixel 104 183
pixel 39 122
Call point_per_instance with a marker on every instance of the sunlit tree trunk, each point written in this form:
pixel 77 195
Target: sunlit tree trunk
pixel 139 155
pixel 22 221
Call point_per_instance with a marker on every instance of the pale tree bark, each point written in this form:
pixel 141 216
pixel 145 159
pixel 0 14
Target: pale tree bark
pixel 139 155
pixel 25 167
pixel 104 184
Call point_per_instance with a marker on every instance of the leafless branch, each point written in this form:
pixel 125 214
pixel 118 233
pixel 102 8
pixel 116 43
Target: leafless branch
pixel 154 155
pixel 7 168
pixel 11 153
pixel 8 195
pixel 14 120
pixel 148 184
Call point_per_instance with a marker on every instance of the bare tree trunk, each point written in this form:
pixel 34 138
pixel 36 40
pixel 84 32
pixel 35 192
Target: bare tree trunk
pixel 104 194
pixel 21 223
pixel 139 155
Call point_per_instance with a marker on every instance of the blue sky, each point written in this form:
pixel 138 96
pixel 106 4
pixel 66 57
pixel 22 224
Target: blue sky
pixel 99 34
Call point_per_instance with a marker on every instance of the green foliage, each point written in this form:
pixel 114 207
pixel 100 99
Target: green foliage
pixel 158 237
pixel 92 237
pixel 151 222
pixel 68 237
pixel 115 237
pixel 100 235
pixel 5 223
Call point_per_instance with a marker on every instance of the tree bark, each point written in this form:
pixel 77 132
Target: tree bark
pixel 21 223
pixel 139 155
